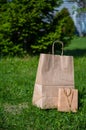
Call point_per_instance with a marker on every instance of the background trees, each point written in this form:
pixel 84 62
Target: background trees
pixel 30 26
pixel 80 11
pixel 62 28
pixel 81 4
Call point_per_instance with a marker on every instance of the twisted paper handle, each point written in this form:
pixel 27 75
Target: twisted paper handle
pixel 57 41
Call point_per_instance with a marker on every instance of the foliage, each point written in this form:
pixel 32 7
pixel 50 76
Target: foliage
pixel 32 26
pixel 81 4
pixel 62 28
pixel 17 77
pixel 22 20
pixel 66 25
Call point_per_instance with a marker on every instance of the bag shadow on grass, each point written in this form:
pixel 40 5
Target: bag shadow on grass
pixel 76 52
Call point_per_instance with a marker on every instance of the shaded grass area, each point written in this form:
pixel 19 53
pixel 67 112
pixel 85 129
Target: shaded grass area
pixel 17 78
pixel 76 52
pixel 77 48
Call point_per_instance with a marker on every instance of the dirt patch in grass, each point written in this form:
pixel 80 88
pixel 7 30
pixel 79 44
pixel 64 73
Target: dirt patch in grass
pixel 15 109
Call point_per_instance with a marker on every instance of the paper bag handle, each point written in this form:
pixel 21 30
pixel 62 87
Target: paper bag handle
pixel 53 46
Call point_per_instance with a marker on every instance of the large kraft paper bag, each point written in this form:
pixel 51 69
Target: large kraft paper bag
pixel 54 72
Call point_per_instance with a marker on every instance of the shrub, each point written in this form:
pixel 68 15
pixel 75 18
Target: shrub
pixel 62 28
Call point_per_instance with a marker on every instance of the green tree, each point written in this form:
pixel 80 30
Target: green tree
pixel 81 15
pixel 24 22
pixel 3 2
pixel 81 4
pixel 62 28
pixel 65 25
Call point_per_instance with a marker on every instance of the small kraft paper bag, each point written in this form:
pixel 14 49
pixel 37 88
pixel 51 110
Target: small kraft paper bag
pixel 67 100
pixel 54 71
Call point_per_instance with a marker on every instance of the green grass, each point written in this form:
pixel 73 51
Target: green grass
pixel 17 78
pixel 77 48
pixel 77 43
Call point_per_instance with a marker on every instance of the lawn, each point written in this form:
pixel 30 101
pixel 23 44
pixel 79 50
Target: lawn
pixel 17 78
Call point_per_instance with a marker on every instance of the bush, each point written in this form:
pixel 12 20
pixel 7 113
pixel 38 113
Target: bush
pixel 62 28
pixel 22 21
pixel 35 30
